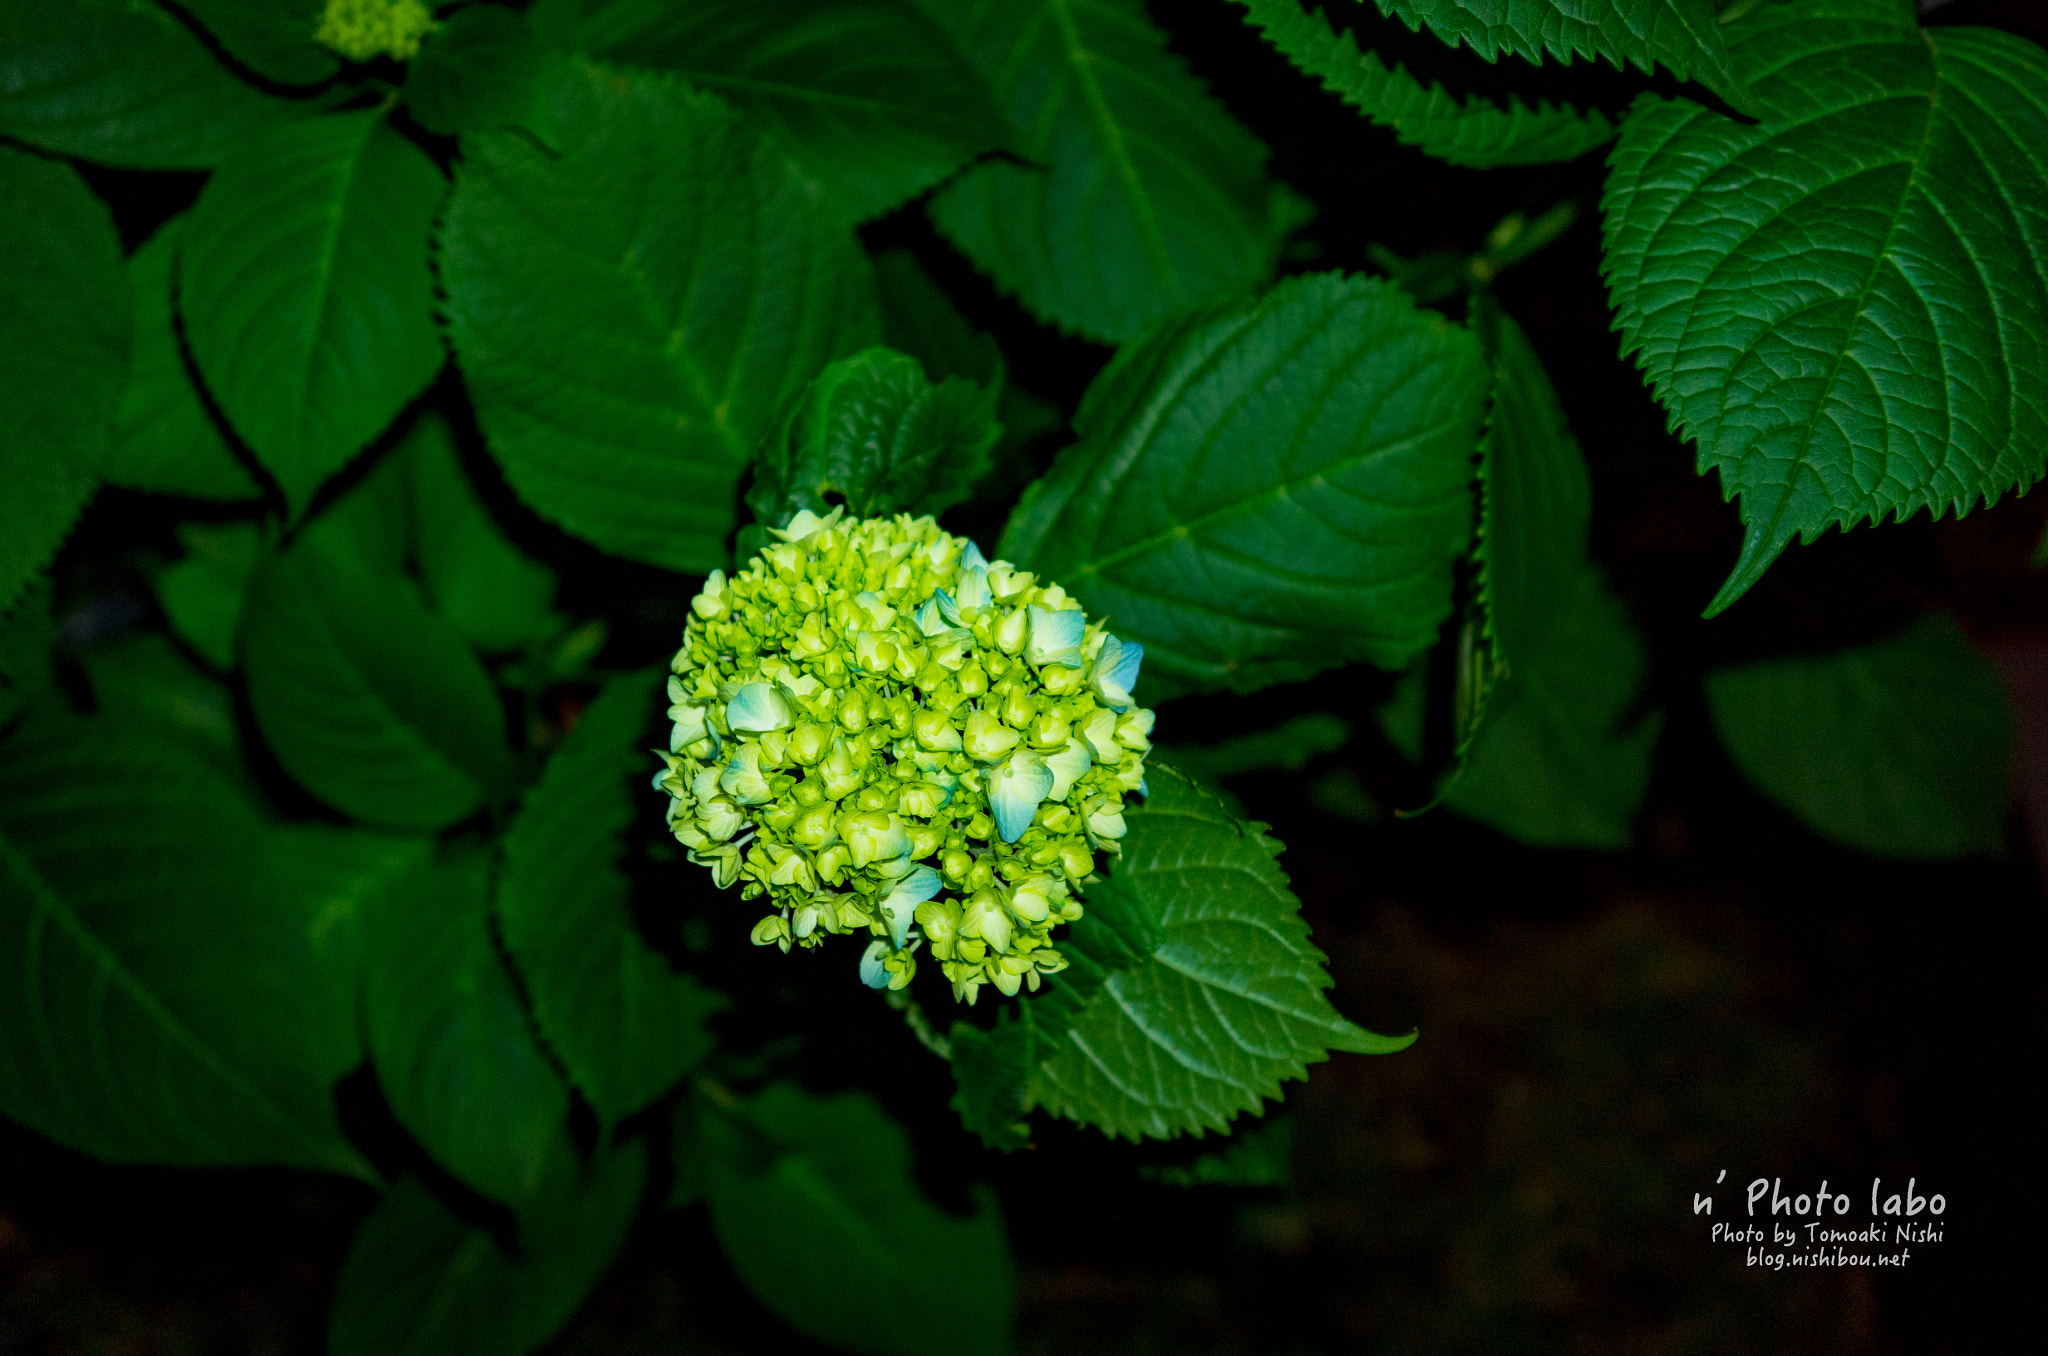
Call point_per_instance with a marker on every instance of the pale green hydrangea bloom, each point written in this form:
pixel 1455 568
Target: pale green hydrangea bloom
pixel 884 733
pixel 361 29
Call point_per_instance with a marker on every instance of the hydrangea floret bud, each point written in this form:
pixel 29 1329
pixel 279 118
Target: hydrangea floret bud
pixel 879 732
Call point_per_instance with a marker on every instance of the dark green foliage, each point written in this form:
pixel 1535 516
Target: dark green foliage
pixel 1901 748
pixel 479 71
pixel 869 96
pixel 623 1023
pixel 1474 131
pixel 304 288
pixel 454 1050
pixel 813 1200
pixel 623 400
pixel 1140 195
pixel 871 432
pixel 422 1281
pixel 1890 371
pixel 202 594
pixel 1232 498
pixel 64 321
pixel 123 83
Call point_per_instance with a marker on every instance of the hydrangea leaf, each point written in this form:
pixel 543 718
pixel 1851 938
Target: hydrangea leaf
pixel 479 71
pixel 421 1280
pixel 1141 195
pixel 872 431
pixel 1902 366
pixel 1474 131
pixel 1256 1156
pixel 65 314
pixel 273 38
pixel 496 595
pixel 453 1048
pixel 814 1202
pixel 871 97
pixel 145 679
pixel 1228 998
pixel 1683 36
pixel 202 593
pixel 27 633
pixel 183 991
pixel 123 83
pixel 164 441
pixel 1264 489
pixel 625 1024
pixel 367 698
pixel 1902 748
pixel 306 294
pixel 633 302
pixel 1557 757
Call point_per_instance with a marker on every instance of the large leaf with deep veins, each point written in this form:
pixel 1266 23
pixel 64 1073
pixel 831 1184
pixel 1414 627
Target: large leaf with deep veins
pixel 1224 997
pixel 1265 489
pixel 1141 195
pixel 1682 36
pixel 1846 305
pixel 1473 131
pixel 631 297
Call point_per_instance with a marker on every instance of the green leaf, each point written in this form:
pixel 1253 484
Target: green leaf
pixel 1682 36
pixel 123 83
pixel 164 441
pixel 202 594
pixel 1228 998
pixel 1903 748
pixel 1475 131
pixel 454 1051
pixel 64 322
pixel 870 97
pixel 814 1202
pixel 477 72
pixel 1265 489
pixel 870 431
pixel 27 633
pixel 498 597
pixel 180 973
pixel 1554 760
pixel 1903 362
pixel 631 308
pixel 305 290
pixel 143 679
pixel 273 38
pixel 422 1281
pixel 1141 195
pixel 624 1023
pixel 371 701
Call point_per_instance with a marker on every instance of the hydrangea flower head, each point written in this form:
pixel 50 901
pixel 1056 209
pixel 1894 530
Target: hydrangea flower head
pixel 881 733
pixel 361 29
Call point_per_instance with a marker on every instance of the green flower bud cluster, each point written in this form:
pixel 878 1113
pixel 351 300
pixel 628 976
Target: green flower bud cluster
pixel 361 29
pixel 884 733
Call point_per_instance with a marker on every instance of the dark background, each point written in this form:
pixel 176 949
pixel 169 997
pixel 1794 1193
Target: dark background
pixel 1602 1033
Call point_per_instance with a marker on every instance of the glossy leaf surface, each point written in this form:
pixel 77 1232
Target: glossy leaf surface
pixel 1902 748
pixel 1845 306
pixel 1227 997
pixel 632 303
pixel 1141 195
pixel 305 290
pixel 623 1021
pixel 1266 489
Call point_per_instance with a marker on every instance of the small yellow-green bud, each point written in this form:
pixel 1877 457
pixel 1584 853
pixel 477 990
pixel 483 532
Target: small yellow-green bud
pixel 361 29
pixel 882 733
